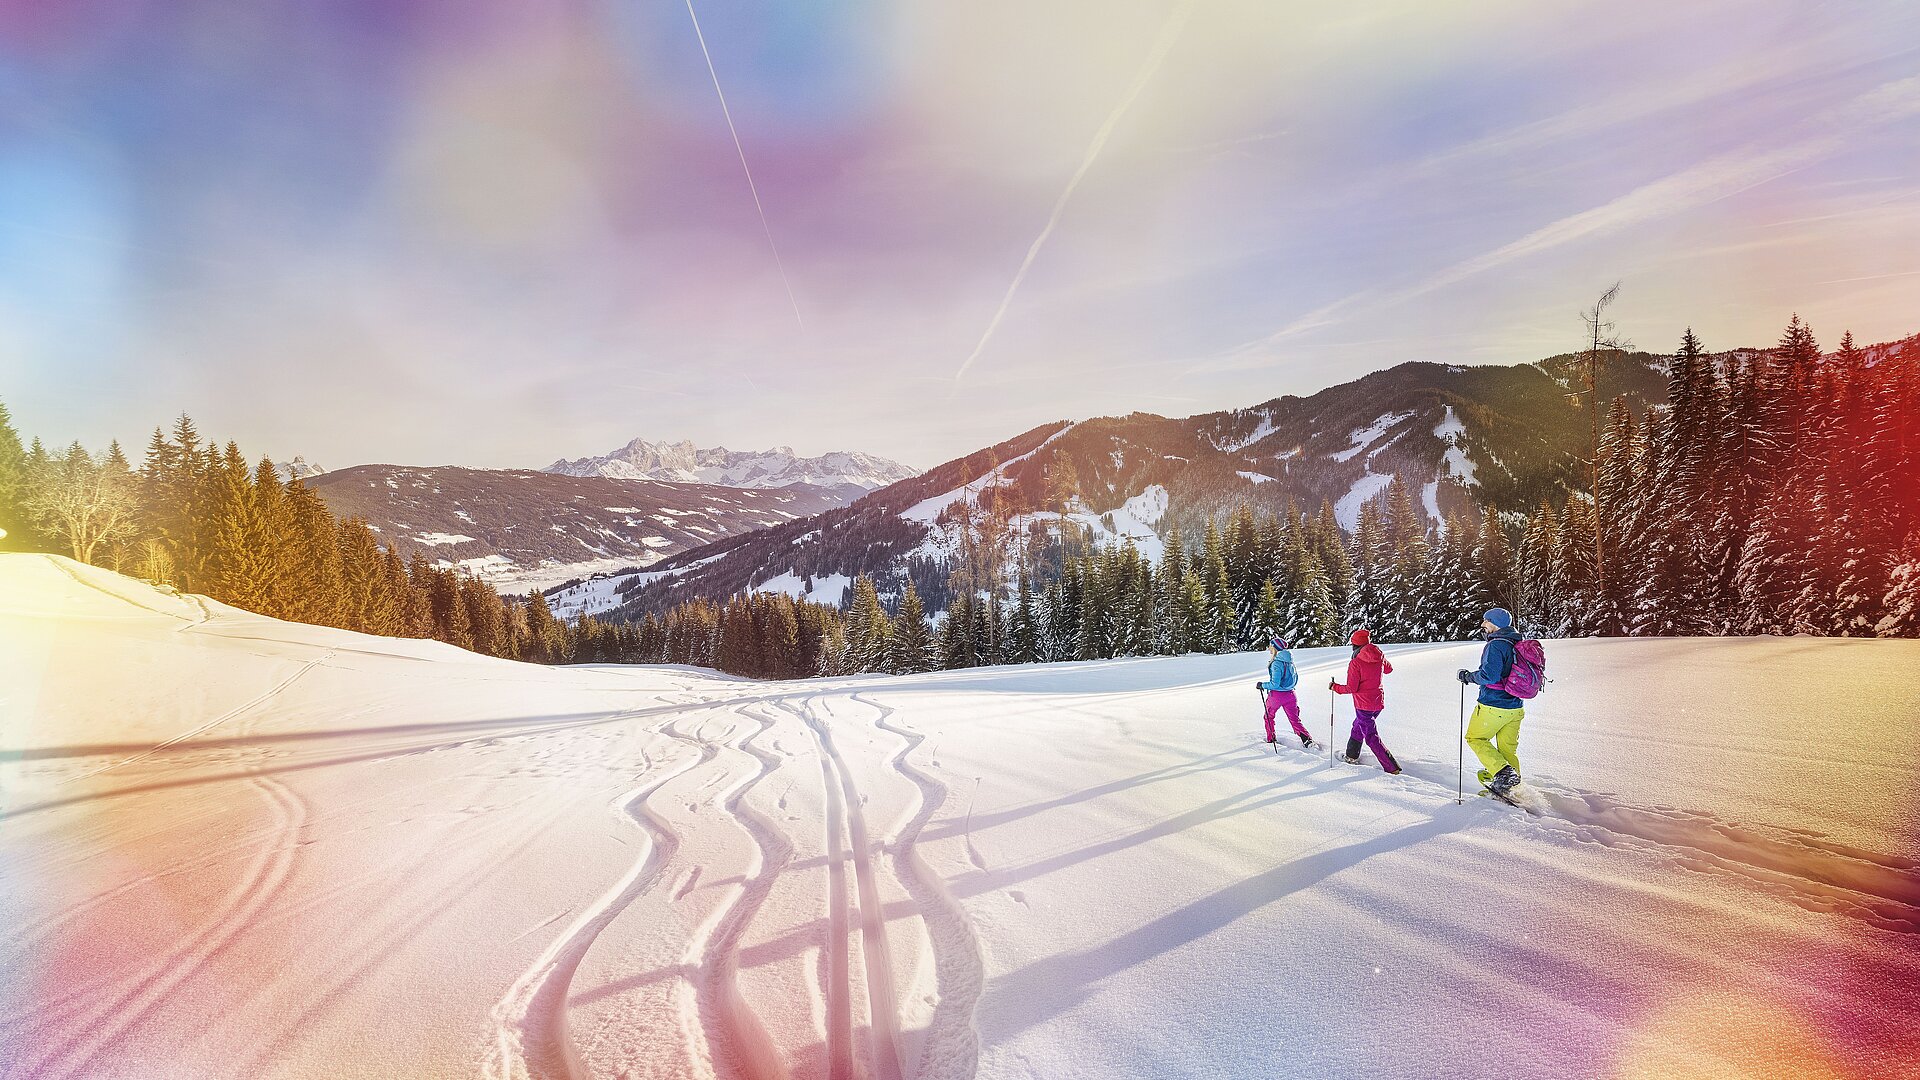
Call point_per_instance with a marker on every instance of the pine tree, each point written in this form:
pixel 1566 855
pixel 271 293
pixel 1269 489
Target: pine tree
pixel 416 608
pixel 1266 611
pixel 316 573
pixel 1023 626
pixel 450 621
pixel 486 616
pixel 777 630
pixel 1175 631
pixel 1536 583
pixel 243 567
pixel 1370 600
pixel 1620 486
pixel 1221 620
pixel 547 636
pixel 866 627
pixel 17 532
pixel 1574 570
pixel 914 649
pixel 956 635
pixel 1197 613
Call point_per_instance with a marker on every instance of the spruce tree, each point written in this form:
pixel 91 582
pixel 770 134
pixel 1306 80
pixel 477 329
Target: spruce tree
pixel 914 649
pixel 1023 626
pixel 866 627
pixel 1266 612
pixel 18 531
pixel 243 567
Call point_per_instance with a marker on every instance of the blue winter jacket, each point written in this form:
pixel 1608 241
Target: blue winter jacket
pixel 1281 674
pixel 1496 662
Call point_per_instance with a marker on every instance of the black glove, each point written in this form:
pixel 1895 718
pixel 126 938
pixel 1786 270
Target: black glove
pixel 1259 684
pixel 1466 676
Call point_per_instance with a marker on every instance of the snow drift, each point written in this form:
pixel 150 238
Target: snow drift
pixel 237 847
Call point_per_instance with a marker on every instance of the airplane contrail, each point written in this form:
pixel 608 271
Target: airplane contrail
pixel 741 150
pixel 1169 33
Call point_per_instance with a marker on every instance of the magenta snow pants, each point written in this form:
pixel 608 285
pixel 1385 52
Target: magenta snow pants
pixel 1365 730
pixel 1284 699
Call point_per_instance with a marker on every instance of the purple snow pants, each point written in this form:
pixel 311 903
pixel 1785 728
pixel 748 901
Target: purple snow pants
pixel 1365 730
pixel 1284 699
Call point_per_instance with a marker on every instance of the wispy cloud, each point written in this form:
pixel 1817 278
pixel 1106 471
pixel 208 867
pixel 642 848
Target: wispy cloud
pixel 1720 177
pixel 752 187
pixel 1162 45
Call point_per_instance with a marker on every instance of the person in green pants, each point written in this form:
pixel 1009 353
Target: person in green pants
pixel 1493 731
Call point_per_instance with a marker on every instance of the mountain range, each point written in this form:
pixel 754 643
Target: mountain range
pixel 685 463
pixel 1456 436
pixel 523 529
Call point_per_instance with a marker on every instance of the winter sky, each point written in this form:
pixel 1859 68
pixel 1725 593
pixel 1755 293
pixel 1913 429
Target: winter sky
pixel 496 232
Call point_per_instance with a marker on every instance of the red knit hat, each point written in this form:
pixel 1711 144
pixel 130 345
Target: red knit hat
pixel 1360 637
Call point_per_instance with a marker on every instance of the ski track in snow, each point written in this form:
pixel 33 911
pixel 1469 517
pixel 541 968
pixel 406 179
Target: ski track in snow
pixel 531 1039
pixel 882 1004
pixel 729 1038
pixel 952 1044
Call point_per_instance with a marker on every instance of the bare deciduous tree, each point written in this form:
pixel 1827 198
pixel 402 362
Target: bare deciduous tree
pixel 1601 337
pixel 85 502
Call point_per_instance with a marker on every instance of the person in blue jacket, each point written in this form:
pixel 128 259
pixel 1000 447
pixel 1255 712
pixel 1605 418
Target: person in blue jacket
pixel 1493 731
pixel 1281 679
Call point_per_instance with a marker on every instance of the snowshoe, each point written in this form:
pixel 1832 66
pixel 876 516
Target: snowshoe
pixel 1484 777
pixel 1307 743
pixel 1347 759
pixel 1491 793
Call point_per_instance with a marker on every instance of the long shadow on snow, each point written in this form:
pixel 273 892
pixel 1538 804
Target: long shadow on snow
pixel 1047 988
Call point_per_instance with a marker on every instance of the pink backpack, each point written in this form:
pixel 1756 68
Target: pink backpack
pixel 1529 674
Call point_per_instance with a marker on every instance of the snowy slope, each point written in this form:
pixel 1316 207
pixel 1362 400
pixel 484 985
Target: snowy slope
pixel 241 848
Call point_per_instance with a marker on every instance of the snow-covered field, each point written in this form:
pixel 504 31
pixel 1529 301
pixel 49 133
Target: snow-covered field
pixel 233 847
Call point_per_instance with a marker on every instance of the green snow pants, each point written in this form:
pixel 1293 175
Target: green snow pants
pixel 1494 735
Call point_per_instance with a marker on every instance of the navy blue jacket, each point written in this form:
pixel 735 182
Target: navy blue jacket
pixel 1496 662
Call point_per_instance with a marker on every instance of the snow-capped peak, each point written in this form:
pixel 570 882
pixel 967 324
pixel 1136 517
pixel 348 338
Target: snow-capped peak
pixel 685 463
pixel 297 469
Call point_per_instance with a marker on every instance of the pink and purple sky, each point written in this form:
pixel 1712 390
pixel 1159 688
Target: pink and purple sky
pixel 497 232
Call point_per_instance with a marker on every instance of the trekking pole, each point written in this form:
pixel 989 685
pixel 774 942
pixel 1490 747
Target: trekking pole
pixel 1460 753
pixel 1330 722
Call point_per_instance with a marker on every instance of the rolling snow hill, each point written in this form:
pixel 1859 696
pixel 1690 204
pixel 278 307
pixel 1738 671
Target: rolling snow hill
pixel 242 848
pixel 685 463
pixel 523 529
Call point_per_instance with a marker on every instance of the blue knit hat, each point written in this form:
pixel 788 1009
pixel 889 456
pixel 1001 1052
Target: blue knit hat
pixel 1278 642
pixel 1500 617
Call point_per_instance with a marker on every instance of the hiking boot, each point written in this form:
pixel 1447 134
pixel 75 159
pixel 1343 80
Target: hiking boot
pixel 1505 781
pixel 1306 741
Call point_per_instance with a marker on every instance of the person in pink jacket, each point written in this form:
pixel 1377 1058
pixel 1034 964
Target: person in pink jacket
pixel 1364 670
